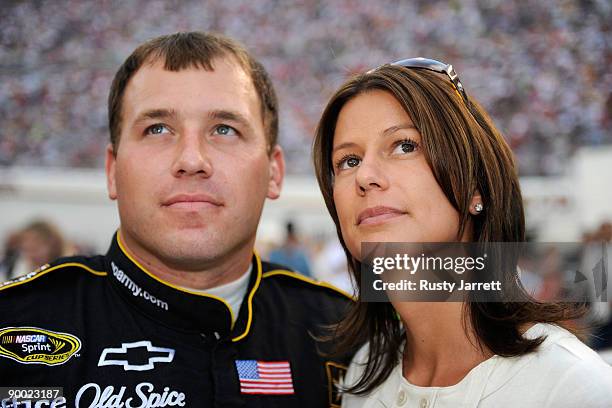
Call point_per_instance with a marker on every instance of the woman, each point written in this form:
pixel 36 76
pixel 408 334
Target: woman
pixel 403 155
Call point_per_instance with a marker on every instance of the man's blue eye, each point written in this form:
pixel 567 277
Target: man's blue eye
pixel 157 129
pixel 225 130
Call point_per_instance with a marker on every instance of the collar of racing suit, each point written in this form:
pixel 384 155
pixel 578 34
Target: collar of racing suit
pixel 178 307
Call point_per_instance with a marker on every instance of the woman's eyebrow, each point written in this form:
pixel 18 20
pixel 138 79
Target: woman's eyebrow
pixel 395 128
pixel 343 146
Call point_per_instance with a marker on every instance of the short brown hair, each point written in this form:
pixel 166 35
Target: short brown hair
pixel 192 49
pixel 50 234
pixel 465 153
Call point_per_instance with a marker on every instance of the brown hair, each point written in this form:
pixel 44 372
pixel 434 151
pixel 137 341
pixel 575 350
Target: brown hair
pixel 50 234
pixel 466 153
pixel 193 49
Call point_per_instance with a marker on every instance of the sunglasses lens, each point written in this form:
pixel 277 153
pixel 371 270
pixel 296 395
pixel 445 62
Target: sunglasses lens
pixel 424 63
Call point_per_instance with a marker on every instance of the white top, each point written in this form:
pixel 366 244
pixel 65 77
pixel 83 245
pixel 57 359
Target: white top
pixel 562 373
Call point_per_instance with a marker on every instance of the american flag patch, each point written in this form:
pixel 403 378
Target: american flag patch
pixel 264 377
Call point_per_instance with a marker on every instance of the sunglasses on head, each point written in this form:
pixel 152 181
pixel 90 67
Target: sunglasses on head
pixel 435 66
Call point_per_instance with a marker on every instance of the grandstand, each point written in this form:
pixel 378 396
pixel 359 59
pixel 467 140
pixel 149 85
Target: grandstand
pixel 540 67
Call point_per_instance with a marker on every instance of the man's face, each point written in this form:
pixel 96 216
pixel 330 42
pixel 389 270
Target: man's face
pixel 192 169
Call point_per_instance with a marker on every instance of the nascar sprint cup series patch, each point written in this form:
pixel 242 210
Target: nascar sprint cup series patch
pixel 33 345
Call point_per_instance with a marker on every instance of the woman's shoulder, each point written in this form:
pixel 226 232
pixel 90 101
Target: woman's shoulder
pixel 559 352
pixel 562 349
pixel 578 374
pixel 585 384
pixel 563 370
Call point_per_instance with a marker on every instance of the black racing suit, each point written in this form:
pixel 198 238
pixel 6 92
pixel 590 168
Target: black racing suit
pixel 114 335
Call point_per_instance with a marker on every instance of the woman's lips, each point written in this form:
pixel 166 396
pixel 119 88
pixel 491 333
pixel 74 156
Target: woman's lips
pixel 378 215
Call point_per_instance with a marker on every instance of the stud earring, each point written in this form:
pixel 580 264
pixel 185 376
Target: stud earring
pixel 478 208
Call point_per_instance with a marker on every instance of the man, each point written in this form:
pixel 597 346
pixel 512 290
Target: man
pixel 180 311
pixel 291 252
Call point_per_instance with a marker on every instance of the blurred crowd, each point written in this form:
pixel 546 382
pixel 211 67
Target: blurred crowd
pixel 35 244
pixel 31 247
pixel 540 67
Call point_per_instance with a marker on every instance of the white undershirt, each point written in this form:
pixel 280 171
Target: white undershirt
pixel 233 293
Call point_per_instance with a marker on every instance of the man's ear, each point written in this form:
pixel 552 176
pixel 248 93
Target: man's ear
pixel 111 160
pixel 476 205
pixel 277 172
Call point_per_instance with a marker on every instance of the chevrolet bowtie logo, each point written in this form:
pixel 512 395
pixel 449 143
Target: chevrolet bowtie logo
pixel 119 356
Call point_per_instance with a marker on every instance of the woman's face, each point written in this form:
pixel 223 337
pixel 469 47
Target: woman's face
pixel 384 190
